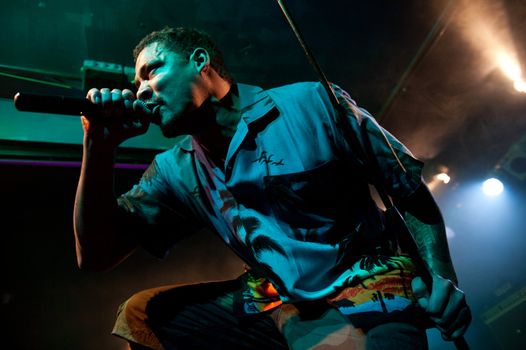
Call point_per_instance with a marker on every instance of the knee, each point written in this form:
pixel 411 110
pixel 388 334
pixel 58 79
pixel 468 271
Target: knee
pixel 132 320
pixel 134 309
pixel 396 335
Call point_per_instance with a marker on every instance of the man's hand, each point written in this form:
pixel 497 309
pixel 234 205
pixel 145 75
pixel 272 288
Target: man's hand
pixel 121 116
pixel 446 306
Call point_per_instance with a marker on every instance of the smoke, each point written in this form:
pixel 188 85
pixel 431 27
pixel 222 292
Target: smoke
pixel 459 78
pixel 484 25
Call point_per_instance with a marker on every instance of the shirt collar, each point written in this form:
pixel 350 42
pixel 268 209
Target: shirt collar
pixel 254 103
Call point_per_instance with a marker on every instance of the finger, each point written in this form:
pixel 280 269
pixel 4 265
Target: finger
pixel 459 325
pixel 419 287
pixel 105 97
pixel 141 108
pixel 128 97
pixel 136 126
pixel 452 310
pixel 439 298
pixel 94 95
pixel 116 98
pixel 85 123
pixel 420 292
pixel 461 331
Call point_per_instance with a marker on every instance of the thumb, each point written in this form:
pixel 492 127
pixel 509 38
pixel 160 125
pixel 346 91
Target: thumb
pixel 140 106
pixel 420 292
pixel 85 123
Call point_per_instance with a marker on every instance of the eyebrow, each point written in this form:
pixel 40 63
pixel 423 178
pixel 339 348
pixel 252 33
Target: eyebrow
pixel 143 68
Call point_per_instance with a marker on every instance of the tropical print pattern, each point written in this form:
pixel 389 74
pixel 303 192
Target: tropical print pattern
pixel 387 290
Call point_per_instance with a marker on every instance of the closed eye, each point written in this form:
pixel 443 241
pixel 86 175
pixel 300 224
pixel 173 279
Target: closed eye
pixel 147 71
pixel 152 68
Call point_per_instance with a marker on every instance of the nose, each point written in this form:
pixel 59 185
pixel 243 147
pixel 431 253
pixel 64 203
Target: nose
pixel 145 91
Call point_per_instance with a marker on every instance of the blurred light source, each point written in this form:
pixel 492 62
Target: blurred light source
pixel 492 187
pixel 440 178
pixel 450 233
pixel 511 68
pixel 520 86
pixel 443 177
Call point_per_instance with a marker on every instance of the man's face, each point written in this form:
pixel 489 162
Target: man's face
pixel 164 77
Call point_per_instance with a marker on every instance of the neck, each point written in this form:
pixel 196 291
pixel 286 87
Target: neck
pixel 219 123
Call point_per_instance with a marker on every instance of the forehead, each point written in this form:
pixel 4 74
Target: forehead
pixel 151 52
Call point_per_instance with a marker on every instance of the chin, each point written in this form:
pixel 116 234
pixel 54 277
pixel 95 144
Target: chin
pixel 175 126
pixel 170 129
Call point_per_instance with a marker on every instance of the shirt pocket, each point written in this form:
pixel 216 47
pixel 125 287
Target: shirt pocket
pixel 316 198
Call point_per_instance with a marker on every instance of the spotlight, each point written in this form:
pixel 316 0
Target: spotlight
pixel 520 85
pixel 511 68
pixel 439 179
pixel 492 187
pixel 443 177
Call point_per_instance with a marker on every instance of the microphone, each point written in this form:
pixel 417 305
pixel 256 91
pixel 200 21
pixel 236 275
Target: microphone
pixel 57 104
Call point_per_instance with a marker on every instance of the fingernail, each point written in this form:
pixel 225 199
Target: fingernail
pixel 97 99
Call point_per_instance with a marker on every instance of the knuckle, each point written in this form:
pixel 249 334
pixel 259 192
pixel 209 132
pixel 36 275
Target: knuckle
pixel 128 94
pixel 92 94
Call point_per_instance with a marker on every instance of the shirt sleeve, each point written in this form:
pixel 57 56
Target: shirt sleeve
pixel 400 171
pixel 156 216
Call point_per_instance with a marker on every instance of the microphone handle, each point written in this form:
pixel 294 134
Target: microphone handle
pixel 55 104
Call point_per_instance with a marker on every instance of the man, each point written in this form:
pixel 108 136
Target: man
pixel 274 175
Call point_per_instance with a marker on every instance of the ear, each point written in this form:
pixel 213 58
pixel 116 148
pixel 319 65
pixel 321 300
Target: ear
pixel 200 58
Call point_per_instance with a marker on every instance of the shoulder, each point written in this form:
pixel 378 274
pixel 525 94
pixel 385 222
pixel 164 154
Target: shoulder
pixel 303 96
pixel 300 89
pixel 313 88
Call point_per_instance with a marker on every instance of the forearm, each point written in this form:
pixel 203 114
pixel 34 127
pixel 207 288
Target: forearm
pixel 424 220
pixel 100 242
pixel 432 245
pixel 440 298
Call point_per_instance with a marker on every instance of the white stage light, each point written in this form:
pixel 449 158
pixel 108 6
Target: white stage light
pixel 520 85
pixel 492 187
pixel 443 177
pixel 511 68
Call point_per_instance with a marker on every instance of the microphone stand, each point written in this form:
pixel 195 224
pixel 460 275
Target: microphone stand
pixel 392 214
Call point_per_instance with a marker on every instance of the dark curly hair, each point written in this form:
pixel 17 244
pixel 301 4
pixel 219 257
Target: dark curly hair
pixel 184 41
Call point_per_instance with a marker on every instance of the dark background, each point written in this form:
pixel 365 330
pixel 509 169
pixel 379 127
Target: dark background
pixel 426 69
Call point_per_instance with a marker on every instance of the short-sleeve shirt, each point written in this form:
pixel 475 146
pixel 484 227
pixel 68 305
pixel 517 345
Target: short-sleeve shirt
pixel 292 199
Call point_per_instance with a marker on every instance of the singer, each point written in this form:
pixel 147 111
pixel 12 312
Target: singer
pixel 271 172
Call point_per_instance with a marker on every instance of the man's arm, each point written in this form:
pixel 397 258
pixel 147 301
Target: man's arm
pixel 100 238
pixel 445 303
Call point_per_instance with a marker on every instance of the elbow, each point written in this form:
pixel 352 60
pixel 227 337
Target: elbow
pixel 93 261
pixel 92 264
pixel 100 253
